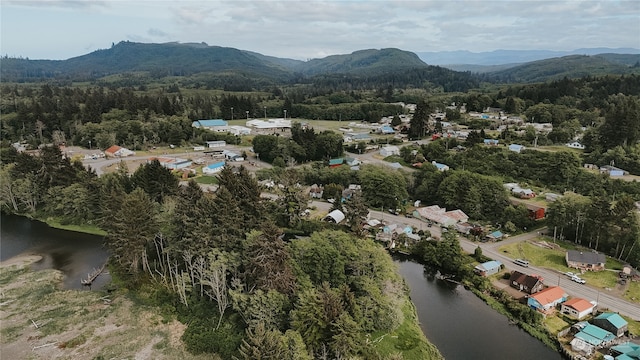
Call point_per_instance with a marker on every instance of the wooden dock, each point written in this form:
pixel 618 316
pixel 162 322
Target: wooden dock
pixel 91 277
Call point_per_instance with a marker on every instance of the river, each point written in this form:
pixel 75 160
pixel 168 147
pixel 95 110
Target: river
pixel 454 319
pixel 462 326
pixel 75 254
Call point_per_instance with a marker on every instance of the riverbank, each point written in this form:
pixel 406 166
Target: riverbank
pixel 41 321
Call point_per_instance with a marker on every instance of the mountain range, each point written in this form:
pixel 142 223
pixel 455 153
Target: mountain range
pixel 394 65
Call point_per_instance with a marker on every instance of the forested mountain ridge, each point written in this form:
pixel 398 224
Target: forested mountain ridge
pixel 175 59
pixel 572 66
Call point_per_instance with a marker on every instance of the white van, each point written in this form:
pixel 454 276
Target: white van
pixel 521 262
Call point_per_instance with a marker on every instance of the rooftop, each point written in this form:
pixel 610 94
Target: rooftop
pixel 549 295
pixel 579 304
pixel 615 319
pixel 586 257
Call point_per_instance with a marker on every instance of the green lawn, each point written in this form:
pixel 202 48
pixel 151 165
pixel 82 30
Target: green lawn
pixel 555 324
pixel 555 259
pixel 206 179
pixel 633 294
pixel 88 229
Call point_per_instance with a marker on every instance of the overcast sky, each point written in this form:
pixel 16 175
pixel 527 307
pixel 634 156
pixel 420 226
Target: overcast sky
pixel 60 29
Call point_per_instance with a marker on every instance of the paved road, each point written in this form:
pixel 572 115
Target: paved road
pixel 555 278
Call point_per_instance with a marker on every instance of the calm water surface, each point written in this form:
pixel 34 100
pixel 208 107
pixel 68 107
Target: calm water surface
pixel 75 254
pixel 462 326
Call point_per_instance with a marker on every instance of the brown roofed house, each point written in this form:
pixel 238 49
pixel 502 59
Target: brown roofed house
pixel 527 283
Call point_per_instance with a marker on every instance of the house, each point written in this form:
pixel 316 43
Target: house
pixel 315 192
pixel 353 189
pixel 516 148
pixel 386 130
pixel 231 156
pixel 238 130
pixel 611 170
pixel 575 145
pixel 546 300
pixel 536 212
pixel 526 283
pixel 488 268
pixel 440 167
pixel 585 260
pixel 523 193
pixel 172 163
pixel 577 308
pixel 495 236
pixel 218 125
pixel 389 151
pixel 268 125
pixel 441 216
pixel 336 216
pixel 213 168
pixel 352 161
pixel 117 151
pixel 217 143
pixel 628 349
pixel 491 142
pixel 335 162
pixel 611 322
pixel 594 335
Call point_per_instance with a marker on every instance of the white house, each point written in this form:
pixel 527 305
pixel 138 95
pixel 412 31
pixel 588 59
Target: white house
pixel 217 143
pixel 575 145
pixel 389 150
pixel 238 130
pixel 577 308
pixel 440 167
pixel 335 216
pixel 516 148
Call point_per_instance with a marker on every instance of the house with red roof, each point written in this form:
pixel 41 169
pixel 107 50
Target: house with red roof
pixel 117 151
pixel 546 300
pixel 577 308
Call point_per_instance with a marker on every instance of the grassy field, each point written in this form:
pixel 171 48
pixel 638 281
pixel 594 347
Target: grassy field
pixel 555 259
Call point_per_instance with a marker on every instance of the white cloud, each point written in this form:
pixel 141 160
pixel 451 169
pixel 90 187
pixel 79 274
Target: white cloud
pixel 316 28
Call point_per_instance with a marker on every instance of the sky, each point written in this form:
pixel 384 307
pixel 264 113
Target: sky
pixel 61 29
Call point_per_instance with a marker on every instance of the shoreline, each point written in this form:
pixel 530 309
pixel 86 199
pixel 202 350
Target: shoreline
pixel 21 260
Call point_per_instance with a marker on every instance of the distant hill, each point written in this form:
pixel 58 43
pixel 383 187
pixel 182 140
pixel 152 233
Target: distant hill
pixel 160 59
pixel 572 66
pixel 175 59
pixel 369 61
pixel 501 57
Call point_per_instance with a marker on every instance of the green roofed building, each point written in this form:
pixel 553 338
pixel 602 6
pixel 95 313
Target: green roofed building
pixel 611 322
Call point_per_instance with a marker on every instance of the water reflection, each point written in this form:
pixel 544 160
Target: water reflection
pixel 75 254
pixel 461 325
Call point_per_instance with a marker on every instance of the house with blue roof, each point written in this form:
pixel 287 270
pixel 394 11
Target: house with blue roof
pixel 492 142
pixel 212 124
pixel 595 335
pixel 488 268
pixel 611 322
pixel 385 129
pixel 440 167
pixel 213 168
pixel 626 351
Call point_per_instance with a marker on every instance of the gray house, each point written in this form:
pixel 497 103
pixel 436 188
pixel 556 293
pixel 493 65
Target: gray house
pixel 585 260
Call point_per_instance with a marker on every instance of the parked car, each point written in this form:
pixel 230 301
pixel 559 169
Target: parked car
pixel 579 280
pixel 570 274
